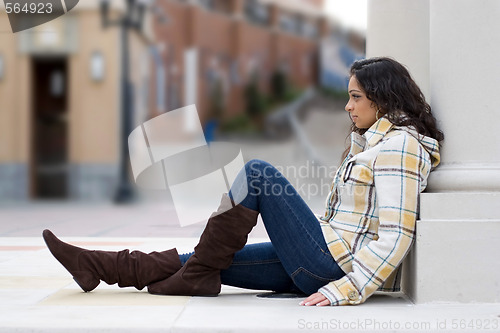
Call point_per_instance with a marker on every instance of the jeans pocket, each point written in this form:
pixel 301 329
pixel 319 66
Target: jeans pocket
pixel 308 282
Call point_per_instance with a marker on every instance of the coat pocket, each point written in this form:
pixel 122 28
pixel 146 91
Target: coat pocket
pixel 357 173
pixel 356 198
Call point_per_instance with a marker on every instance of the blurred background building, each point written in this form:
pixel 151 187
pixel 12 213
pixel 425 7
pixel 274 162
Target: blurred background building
pixel 60 106
pixel 238 61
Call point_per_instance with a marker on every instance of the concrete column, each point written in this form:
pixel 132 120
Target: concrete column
pixel 400 29
pixel 465 78
pixel 450 47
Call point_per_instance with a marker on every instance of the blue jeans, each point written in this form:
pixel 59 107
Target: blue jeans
pixel 297 259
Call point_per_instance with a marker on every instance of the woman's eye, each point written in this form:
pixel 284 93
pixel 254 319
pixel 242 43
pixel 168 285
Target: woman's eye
pixel 356 96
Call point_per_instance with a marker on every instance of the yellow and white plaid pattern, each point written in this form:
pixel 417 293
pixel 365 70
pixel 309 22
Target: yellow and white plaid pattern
pixel 369 223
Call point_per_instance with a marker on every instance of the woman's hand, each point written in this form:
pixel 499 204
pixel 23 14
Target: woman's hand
pixel 317 299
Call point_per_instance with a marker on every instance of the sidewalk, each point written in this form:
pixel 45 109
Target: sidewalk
pixel 38 295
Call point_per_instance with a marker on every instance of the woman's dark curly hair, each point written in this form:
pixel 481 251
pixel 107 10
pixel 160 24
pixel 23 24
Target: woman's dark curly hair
pixel 390 86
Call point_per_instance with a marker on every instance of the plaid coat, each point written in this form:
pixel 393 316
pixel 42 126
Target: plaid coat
pixel 369 223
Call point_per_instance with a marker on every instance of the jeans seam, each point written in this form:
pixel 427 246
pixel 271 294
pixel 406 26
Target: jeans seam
pixel 302 269
pixel 259 262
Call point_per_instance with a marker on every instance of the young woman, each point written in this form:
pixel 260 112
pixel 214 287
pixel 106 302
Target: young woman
pixel 339 258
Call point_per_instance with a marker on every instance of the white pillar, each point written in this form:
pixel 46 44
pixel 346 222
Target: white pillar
pixel 400 29
pixel 451 48
pixel 465 76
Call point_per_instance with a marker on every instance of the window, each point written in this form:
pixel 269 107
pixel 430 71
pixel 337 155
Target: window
pixel 207 4
pixel 97 67
pixel 57 83
pixel 257 12
pixel 290 23
pixel 309 29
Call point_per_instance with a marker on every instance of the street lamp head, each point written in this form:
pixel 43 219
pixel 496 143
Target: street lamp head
pixel 133 16
pixel 104 12
pixel 140 10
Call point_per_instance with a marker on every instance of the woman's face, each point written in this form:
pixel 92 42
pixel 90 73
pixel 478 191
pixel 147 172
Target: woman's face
pixel 362 110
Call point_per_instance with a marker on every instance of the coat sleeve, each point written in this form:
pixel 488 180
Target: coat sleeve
pixel 397 178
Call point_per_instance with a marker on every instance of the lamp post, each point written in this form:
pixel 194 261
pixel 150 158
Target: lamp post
pixel 132 19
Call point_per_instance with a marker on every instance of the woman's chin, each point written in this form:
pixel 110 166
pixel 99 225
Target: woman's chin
pixel 360 126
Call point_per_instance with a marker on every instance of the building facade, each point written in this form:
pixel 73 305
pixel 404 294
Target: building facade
pixel 212 49
pixel 60 82
pixel 60 106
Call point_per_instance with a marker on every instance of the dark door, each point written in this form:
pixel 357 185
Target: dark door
pixel 50 129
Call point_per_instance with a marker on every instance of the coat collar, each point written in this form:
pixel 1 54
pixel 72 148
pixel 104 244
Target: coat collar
pixel 377 131
pixel 371 137
pixel 380 128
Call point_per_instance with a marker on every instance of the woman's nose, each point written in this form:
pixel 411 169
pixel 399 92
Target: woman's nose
pixel 348 107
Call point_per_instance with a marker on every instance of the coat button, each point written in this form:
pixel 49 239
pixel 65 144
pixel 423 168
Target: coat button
pixel 353 295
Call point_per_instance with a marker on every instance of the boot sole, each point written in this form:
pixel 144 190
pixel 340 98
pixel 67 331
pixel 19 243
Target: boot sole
pixel 78 283
pixel 158 294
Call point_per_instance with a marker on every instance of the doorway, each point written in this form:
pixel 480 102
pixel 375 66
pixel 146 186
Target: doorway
pixel 49 167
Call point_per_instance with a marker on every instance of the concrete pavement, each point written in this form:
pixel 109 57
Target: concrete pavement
pixel 38 295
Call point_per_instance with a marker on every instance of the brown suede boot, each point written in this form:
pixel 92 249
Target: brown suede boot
pixel 135 269
pixel 224 234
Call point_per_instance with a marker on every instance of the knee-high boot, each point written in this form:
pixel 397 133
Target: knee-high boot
pixel 224 234
pixel 128 269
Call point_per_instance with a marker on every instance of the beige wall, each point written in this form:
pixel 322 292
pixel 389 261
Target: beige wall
pixel 94 106
pixel 14 99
